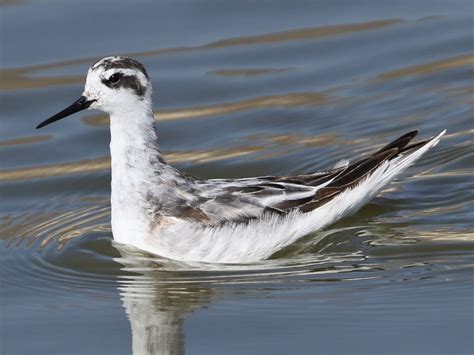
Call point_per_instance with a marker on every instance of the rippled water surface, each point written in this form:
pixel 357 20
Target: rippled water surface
pixel 242 88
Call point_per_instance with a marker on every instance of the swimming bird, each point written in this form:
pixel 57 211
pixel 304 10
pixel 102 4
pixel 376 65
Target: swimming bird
pixel 162 210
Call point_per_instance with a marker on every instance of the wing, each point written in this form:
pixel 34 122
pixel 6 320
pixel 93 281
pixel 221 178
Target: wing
pixel 240 200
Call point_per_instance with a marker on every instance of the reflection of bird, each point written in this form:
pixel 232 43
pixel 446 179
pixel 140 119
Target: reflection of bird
pixel 160 209
pixel 157 302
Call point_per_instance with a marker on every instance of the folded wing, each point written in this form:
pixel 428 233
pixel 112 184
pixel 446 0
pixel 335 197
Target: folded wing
pixel 241 200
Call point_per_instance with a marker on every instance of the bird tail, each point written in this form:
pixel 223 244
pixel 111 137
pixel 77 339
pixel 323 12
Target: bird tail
pixel 369 175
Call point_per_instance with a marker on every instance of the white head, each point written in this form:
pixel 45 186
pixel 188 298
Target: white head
pixel 114 85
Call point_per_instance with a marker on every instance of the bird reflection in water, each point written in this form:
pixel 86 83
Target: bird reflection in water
pixel 157 297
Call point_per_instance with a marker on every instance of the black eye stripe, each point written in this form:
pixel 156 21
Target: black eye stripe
pixel 115 78
pixel 126 82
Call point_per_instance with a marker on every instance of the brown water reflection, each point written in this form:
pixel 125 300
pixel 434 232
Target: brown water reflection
pixel 24 140
pixel 305 33
pixel 195 156
pixel 247 71
pixel 20 78
pixel 287 100
pixel 428 68
pixel 103 163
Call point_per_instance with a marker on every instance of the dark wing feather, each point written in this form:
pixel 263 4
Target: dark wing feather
pixel 361 169
pixel 248 197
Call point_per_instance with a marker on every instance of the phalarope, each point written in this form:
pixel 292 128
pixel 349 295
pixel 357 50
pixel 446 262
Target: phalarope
pixel 162 210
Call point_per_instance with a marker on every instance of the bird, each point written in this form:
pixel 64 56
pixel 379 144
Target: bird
pixel 163 211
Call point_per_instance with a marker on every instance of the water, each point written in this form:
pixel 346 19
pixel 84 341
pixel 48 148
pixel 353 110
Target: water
pixel 242 89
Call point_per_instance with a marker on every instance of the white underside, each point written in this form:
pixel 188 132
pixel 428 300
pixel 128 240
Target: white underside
pixel 259 239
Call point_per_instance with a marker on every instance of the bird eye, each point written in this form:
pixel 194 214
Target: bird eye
pixel 115 78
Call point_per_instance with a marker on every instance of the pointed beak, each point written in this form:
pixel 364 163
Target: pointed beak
pixel 80 104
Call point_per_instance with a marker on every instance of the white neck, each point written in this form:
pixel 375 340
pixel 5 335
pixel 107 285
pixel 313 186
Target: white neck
pixel 136 167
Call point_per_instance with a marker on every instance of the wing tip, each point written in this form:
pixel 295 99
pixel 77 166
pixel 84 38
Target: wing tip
pixel 413 133
pixel 435 140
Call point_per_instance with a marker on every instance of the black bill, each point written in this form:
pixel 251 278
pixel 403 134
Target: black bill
pixel 80 104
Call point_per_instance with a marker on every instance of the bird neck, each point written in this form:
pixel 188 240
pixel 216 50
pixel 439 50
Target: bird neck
pixel 137 169
pixel 133 145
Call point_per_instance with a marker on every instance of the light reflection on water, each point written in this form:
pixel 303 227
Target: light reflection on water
pixel 295 91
